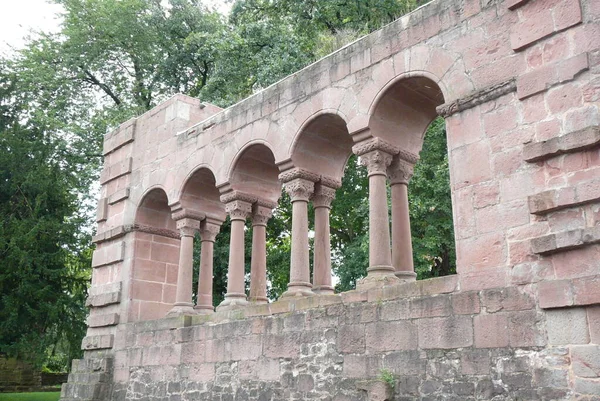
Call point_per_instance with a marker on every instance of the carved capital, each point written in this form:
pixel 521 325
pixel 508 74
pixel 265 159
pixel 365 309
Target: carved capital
pixel 182 213
pixel 238 209
pixel 323 196
pixel 331 182
pixel 376 161
pixel 299 189
pixel 373 144
pixel 297 172
pixel 261 215
pixel 400 171
pixel 209 231
pixel 188 227
pixel 237 195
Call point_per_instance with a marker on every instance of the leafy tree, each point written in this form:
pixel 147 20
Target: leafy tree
pixel 43 257
pixel 430 207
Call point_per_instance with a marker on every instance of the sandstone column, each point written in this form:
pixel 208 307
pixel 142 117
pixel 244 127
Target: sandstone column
pixel 208 234
pixel 258 266
pixel 322 198
pixel 400 172
pixel 183 297
pixel 376 155
pixel 238 211
pixel 299 184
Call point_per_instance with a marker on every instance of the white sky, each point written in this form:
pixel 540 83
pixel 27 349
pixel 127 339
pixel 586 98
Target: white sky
pixel 19 17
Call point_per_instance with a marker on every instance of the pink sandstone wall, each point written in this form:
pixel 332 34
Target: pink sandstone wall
pixel 519 86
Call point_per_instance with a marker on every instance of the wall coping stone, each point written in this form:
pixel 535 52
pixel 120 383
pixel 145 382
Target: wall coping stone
pixel 576 141
pixel 476 98
pixel 565 240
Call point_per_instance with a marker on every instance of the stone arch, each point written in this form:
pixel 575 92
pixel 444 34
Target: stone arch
pixel 155 259
pixel 253 172
pixel 404 108
pixel 322 144
pixel 199 193
pixel 153 210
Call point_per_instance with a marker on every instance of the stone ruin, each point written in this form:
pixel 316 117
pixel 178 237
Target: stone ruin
pixel 518 83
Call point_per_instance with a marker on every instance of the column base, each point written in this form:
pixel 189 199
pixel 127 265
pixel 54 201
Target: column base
pixel 233 301
pixel 323 290
pixel 204 309
pixel 298 289
pixel 258 300
pixel 406 275
pixel 377 277
pixel 180 309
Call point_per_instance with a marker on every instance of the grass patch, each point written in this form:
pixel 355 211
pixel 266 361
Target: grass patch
pixel 47 396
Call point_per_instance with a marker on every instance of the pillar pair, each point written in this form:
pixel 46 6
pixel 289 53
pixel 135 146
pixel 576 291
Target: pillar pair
pixel 302 186
pixel 188 224
pixel 381 159
pixel 240 207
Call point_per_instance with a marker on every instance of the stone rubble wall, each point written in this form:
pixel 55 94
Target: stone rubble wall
pixel 438 342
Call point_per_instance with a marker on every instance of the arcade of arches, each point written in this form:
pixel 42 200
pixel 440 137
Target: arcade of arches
pixel 517 84
pixel 388 148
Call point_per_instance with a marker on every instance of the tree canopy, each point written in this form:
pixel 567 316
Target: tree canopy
pixel 115 59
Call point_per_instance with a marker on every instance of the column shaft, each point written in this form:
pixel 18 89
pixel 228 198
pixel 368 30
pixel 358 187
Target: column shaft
pixel 236 291
pixel 185 271
pixel 208 233
pixel 235 274
pixel 183 296
pixel 402 254
pixel 300 190
pixel 258 265
pixel 380 259
pixel 322 198
pixel 400 172
pixel 322 257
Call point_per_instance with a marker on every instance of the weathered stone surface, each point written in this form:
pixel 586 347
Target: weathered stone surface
pixel 576 141
pixel 565 240
pixel 567 326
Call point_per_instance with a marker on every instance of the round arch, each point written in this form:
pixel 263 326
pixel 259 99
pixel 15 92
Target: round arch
pixel 199 193
pixel 253 171
pixel 404 108
pixel 322 144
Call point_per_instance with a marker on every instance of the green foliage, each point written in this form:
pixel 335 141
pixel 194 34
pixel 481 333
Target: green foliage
pixel 431 207
pixel 386 376
pixel 44 256
pixel 46 396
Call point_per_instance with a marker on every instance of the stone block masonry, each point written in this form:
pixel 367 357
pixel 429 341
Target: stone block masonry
pixel 517 82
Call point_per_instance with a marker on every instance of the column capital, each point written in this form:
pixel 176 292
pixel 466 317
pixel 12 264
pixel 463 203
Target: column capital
pixel 188 227
pixel 209 231
pixel 376 162
pixel 322 196
pixel 376 154
pixel 401 170
pixel 374 143
pixel 299 189
pixel 180 213
pixel 297 172
pixel 238 209
pixel 262 212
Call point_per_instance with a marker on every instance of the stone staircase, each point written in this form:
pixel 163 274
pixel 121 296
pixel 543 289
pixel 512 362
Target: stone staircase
pixel 89 380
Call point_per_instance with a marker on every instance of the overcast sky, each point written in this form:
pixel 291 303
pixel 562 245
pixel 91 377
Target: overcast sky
pixel 19 17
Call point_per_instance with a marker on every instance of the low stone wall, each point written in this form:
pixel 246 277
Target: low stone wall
pixel 53 379
pixel 15 375
pixel 436 341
